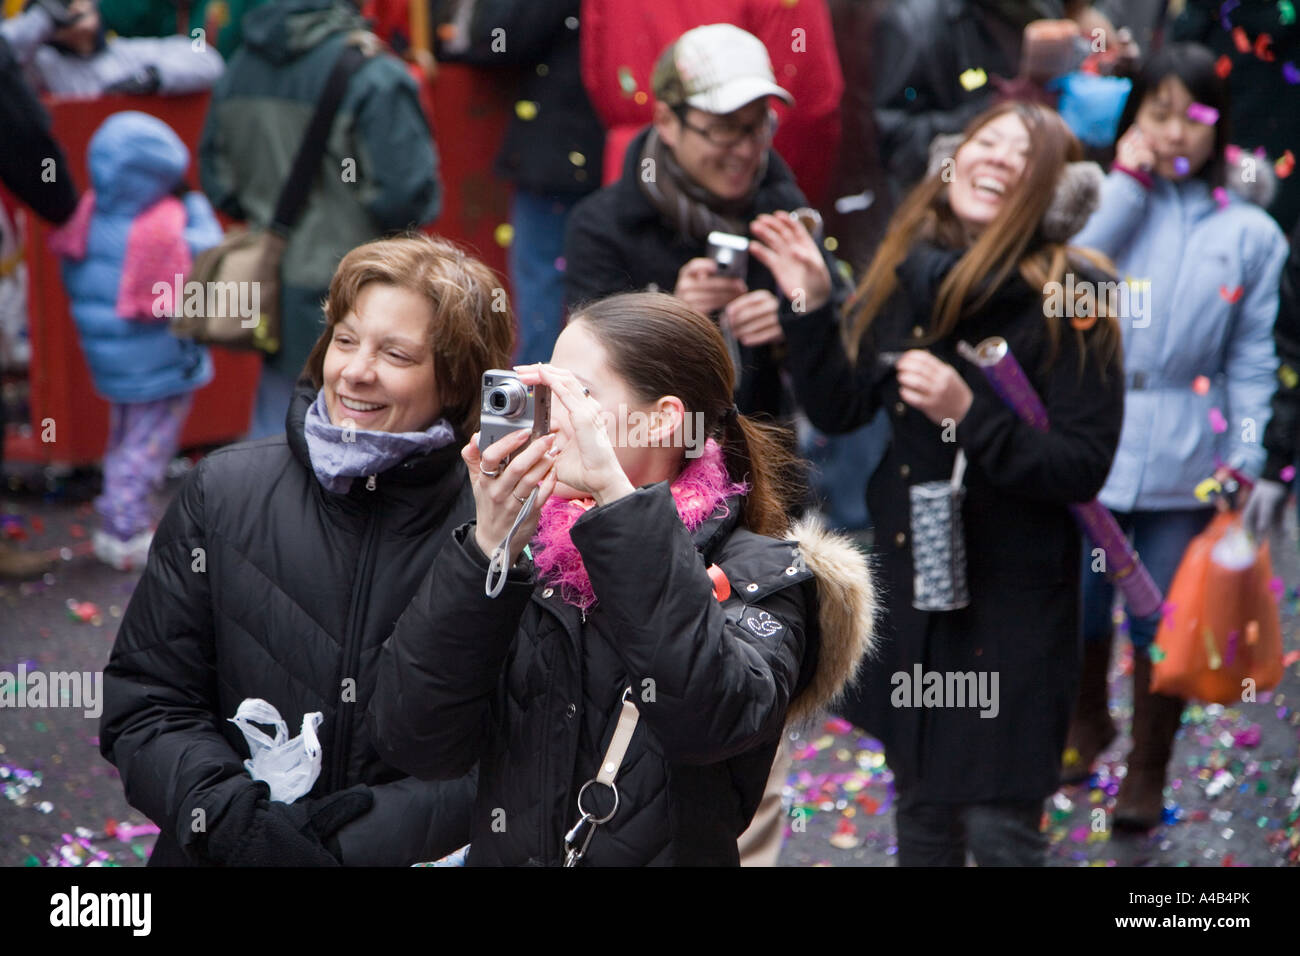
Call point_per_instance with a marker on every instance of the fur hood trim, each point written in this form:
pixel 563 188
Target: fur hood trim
pixel 846 613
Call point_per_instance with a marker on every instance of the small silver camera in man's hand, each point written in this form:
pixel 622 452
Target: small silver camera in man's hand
pixel 731 253
pixel 509 406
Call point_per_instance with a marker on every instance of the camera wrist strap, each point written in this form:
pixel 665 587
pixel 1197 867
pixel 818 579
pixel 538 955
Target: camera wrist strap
pixel 498 568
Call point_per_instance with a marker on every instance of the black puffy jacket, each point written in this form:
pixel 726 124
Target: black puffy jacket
pixel 531 688
pixel 561 148
pixel 260 583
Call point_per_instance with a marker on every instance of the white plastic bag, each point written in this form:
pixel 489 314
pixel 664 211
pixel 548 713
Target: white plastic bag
pixel 1234 551
pixel 288 767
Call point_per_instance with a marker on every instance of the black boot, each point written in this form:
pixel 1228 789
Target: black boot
pixel 1156 718
pixel 1091 729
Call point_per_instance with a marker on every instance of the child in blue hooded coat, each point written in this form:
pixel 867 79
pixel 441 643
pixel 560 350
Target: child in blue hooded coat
pixel 1199 365
pixel 134 232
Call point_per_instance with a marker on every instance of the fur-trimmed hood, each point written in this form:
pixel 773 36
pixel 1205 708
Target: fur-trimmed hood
pixel 846 612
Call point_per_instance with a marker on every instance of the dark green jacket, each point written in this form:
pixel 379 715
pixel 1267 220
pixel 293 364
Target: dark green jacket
pixel 380 169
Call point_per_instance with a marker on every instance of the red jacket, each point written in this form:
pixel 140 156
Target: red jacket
pixel 621 39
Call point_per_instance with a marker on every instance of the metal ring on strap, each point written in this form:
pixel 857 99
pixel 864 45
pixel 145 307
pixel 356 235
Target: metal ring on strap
pixel 587 813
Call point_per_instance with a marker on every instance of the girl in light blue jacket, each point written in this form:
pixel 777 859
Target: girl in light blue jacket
pixel 125 252
pixel 1202 267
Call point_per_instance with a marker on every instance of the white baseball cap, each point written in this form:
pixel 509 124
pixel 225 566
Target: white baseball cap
pixel 716 68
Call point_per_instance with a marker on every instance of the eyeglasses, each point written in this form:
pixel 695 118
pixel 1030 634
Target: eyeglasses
pixel 725 135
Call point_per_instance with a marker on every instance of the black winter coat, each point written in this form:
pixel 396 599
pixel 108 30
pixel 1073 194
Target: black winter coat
pixel 616 241
pixel 1022 546
pixel 28 143
pixel 561 148
pixel 531 688
pixel 1282 435
pixel 297 589
pixel 921 50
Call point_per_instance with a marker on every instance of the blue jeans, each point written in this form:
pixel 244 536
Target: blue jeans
pixel 1160 538
pixel 274 392
pixel 842 466
pixel 539 221
pixel 996 834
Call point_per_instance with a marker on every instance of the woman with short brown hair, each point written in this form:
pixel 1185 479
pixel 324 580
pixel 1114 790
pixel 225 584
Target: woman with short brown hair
pixel 282 564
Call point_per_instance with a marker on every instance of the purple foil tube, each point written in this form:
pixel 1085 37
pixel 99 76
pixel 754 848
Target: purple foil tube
pixel 1126 570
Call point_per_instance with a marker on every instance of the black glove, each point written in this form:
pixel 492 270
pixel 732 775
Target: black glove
pixel 257 831
pixel 140 83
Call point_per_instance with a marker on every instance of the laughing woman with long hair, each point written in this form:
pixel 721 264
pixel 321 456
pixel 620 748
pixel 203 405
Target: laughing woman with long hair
pixel 972 253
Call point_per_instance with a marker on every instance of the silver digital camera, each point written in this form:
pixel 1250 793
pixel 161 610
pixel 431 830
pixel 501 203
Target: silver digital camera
pixel 508 406
pixel 731 253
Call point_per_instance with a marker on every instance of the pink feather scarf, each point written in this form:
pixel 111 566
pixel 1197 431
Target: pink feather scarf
pixel 698 491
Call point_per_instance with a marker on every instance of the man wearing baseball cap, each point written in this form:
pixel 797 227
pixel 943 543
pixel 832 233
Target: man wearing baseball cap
pixel 704 165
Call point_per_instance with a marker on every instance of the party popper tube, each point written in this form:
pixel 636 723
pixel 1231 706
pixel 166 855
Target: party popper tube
pixel 994 359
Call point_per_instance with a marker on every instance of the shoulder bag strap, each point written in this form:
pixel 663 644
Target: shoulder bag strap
pixel 306 163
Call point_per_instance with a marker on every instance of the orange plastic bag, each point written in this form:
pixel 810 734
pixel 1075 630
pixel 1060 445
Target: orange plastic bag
pixel 1221 624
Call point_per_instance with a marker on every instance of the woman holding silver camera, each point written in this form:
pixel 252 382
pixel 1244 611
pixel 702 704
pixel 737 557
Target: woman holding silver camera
pixel 281 566
pixel 973 253
pixel 625 693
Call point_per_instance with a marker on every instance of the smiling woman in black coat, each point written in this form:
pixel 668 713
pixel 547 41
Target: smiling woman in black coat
pixel 281 566
pixel 971 255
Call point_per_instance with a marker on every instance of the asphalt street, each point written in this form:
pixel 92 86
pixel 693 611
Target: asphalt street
pixel 1229 803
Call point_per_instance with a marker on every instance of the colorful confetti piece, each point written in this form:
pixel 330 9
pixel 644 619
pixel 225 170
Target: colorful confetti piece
pixel 1217 422
pixel 1201 385
pixel 626 81
pixel 1247 738
pixel 1287 473
pixel 1200 113
pixel 1232 295
pixel 1223 66
pixel 526 110
pixel 1209 487
pixel 845 836
pixel 1285 165
pixel 1181 166
pixel 1290 73
pixel 82 611
pixel 1227 7
pixel 973 79
pixel 1211 649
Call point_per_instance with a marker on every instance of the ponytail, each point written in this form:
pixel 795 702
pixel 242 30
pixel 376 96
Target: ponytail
pixel 763 455
pixel 659 345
